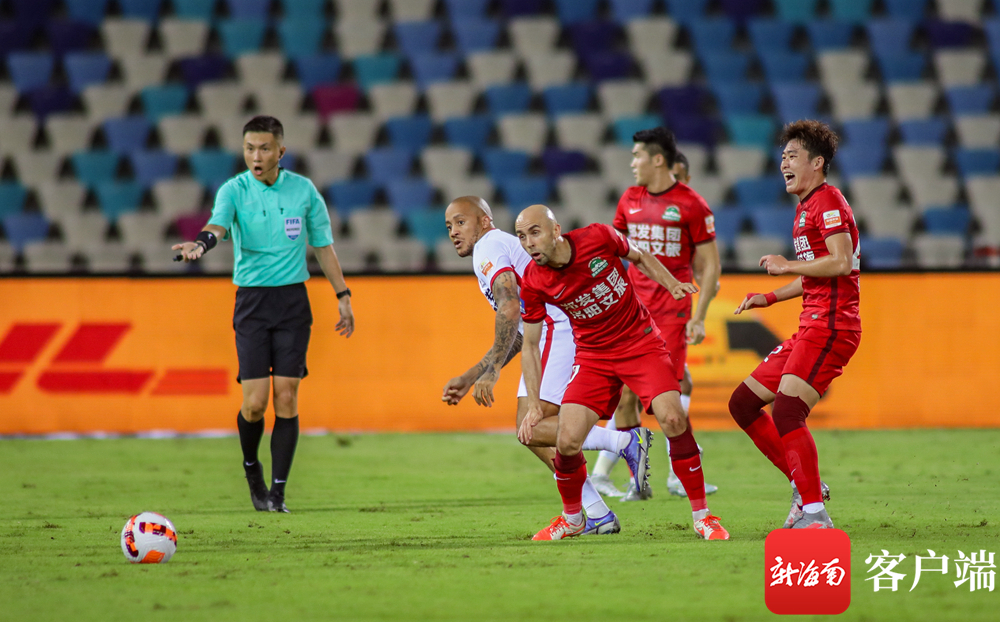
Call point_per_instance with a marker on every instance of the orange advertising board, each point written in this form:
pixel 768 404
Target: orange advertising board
pixel 126 355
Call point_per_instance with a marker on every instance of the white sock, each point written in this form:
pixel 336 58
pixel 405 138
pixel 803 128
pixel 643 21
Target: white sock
pixel 605 439
pixel 573 519
pixel 812 508
pixel 700 514
pixel 686 403
pixel 794 487
pixel 606 461
pixel 593 502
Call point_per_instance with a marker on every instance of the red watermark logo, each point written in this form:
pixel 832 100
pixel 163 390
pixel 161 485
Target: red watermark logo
pixel 807 571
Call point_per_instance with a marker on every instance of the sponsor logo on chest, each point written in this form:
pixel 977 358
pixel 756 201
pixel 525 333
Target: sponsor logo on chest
pixel 672 213
pixel 597 266
pixel 802 219
pixel 293 227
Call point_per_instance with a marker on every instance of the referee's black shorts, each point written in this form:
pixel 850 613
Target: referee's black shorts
pixel 272 327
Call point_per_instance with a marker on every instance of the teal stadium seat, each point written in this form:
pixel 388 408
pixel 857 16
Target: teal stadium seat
pixel 163 100
pixel 375 69
pixel 94 167
pixel 427 226
pixel 118 197
pixel 626 127
pixel 12 198
pixel 796 11
pixel 241 35
pixel 202 10
pixel 301 36
pixel 751 130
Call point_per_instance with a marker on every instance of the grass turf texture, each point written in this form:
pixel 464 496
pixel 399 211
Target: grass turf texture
pixel 401 527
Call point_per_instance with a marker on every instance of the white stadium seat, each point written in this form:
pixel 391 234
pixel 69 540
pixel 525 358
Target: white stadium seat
pixel 978 131
pixel 735 162
pixel 533 35
pixel 912 100
pixel 939 251
pixel 327 166
pixel 491 68
pixel 622 98
pixel 550 68
pixel 47 256
pixel 257 69
pixel 183 37
pixel 370 227
pixel 35 168
pixel 442 164
pixel 183 133
pixel 651 36
pixel 960 67
pixel 353 132
pixel 124 36
pixel 359 37
pixel 750 248
pixel 177 197
pixel 18 133
pixel 889 220
pixel 523 132
pixel 854 100
pixel 102 101
pixel 393 99
pixel 450 99
pixel 668 69
pixel 583 131
pixel 144 70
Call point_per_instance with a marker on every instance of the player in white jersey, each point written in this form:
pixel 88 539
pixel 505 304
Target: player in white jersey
pixel 499 261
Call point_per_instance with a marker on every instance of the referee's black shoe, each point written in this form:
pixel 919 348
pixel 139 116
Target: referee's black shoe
pixel 276 502
pixel 258 489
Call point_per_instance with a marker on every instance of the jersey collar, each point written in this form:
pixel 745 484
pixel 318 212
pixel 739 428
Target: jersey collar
pixel 277 182
pixel 813 191
pixel 660 194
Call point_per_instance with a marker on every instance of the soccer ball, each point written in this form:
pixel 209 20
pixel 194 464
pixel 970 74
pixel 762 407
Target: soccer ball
pixel 149 538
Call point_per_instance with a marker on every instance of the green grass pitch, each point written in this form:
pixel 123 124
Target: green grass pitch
pixel 438 526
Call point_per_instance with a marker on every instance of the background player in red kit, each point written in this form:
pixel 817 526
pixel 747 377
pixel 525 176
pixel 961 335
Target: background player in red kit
pixel 616 343
pixel 798 372
pixel 666 218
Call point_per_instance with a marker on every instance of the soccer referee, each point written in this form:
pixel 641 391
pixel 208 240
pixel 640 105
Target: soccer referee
pixel 271 214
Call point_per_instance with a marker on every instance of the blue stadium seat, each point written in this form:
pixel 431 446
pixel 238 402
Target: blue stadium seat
pixel 558 162
pixel 626 10
pixel 738 97
pixel 769 34
pixel 947 220
pixel 473 34
pixel 991 28
pixel 376 69
pixel 69 35
pixel 387 163
pixel 317 69
pixel 198 69
pixel 963 100
pixel 301 36
pixel 949 34
pixel 30 70
pixel 87 11
pixel 23 229
pixel 248 9
pixel 194 9
pixel 728 224
pixel 881 253
pixel 94 167
pixel 16 35
pixel 796 100
pixel 866 132
pixel 34 11
pixel 742 10
pixel 906 9
pixel 212 167
pixel 695 128
pixel 309 9
pixel 461 9
pixel 118 197
pixel 905 67
pixel 889 37
pixel 593 36
pixel 721 65
pixel 86 68
pixel 241 35
pixel 773 221
pixel 830 34
pixel 682 100
pixel 407 195
pixel 574 11
pixel 46 100
pixel 347 196
pixel 924 131
pixel 520 192
pixel 712 34
pixel 751 130
pixel 472 132
pixel 608 65
pixel 796 11
pixel 415 38
pixel 784 66
pixel 410 133
pixel 860 159
pixel 126 134
pixel 503 163
pixel 518 8
pixel 567 98
pixel 148 10
pixel 685 11
pixel 858 11
pixel 434 67
pixel 152 166
pixel 626 127
pixel 163 100
pixel 427 225
pixel 508 98
pixel 972 162
pixel 766 190
pixel 12 198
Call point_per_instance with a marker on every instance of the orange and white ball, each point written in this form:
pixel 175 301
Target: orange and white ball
pixel 149 538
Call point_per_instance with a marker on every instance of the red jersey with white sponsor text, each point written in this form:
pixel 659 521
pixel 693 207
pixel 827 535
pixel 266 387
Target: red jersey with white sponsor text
pixel 827 302
pixel 593 289
pixel 668 225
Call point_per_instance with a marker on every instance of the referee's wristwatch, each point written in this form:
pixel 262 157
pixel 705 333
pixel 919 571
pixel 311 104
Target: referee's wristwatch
pixel 346 292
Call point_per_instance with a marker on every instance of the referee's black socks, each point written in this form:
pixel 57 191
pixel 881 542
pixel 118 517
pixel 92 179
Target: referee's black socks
pixel 284 438
pixel 250 435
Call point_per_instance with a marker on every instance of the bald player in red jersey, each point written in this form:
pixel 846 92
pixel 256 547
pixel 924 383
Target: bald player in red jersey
pixel 798 372
pixel 617 343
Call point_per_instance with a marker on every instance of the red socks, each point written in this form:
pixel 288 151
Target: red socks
pixel 746 408
pixel 571 473
pixel 686 461
pixel 800 449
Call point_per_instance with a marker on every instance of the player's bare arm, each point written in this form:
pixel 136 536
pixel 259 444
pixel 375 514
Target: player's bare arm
pixel 707 270
pixel 505 334
pixel 328 262
pixel 651 267
pixel 839 262
pixel 191 251
pixel 531 367
pixel 785 292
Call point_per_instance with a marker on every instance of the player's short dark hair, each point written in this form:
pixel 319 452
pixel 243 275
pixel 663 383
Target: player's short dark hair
pixel 265 124
pixel 658 140
pixel 815 137
pixel 682 159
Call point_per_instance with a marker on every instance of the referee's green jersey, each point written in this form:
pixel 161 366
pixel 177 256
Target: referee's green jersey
pixel 270 227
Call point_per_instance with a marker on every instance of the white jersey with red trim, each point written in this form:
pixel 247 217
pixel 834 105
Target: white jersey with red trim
pixel 498 252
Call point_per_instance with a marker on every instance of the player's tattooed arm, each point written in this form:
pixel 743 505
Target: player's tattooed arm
pixel 651 267
pixel 508 317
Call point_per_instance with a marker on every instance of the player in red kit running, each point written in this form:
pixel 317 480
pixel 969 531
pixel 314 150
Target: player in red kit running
pixel 798 372
pixel 617 343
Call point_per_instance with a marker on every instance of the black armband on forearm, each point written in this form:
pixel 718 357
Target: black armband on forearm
pixel 207 239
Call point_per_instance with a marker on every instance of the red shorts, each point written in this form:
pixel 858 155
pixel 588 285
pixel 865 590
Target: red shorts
pixel 816 355
pixel 597 382
pixel 675 336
